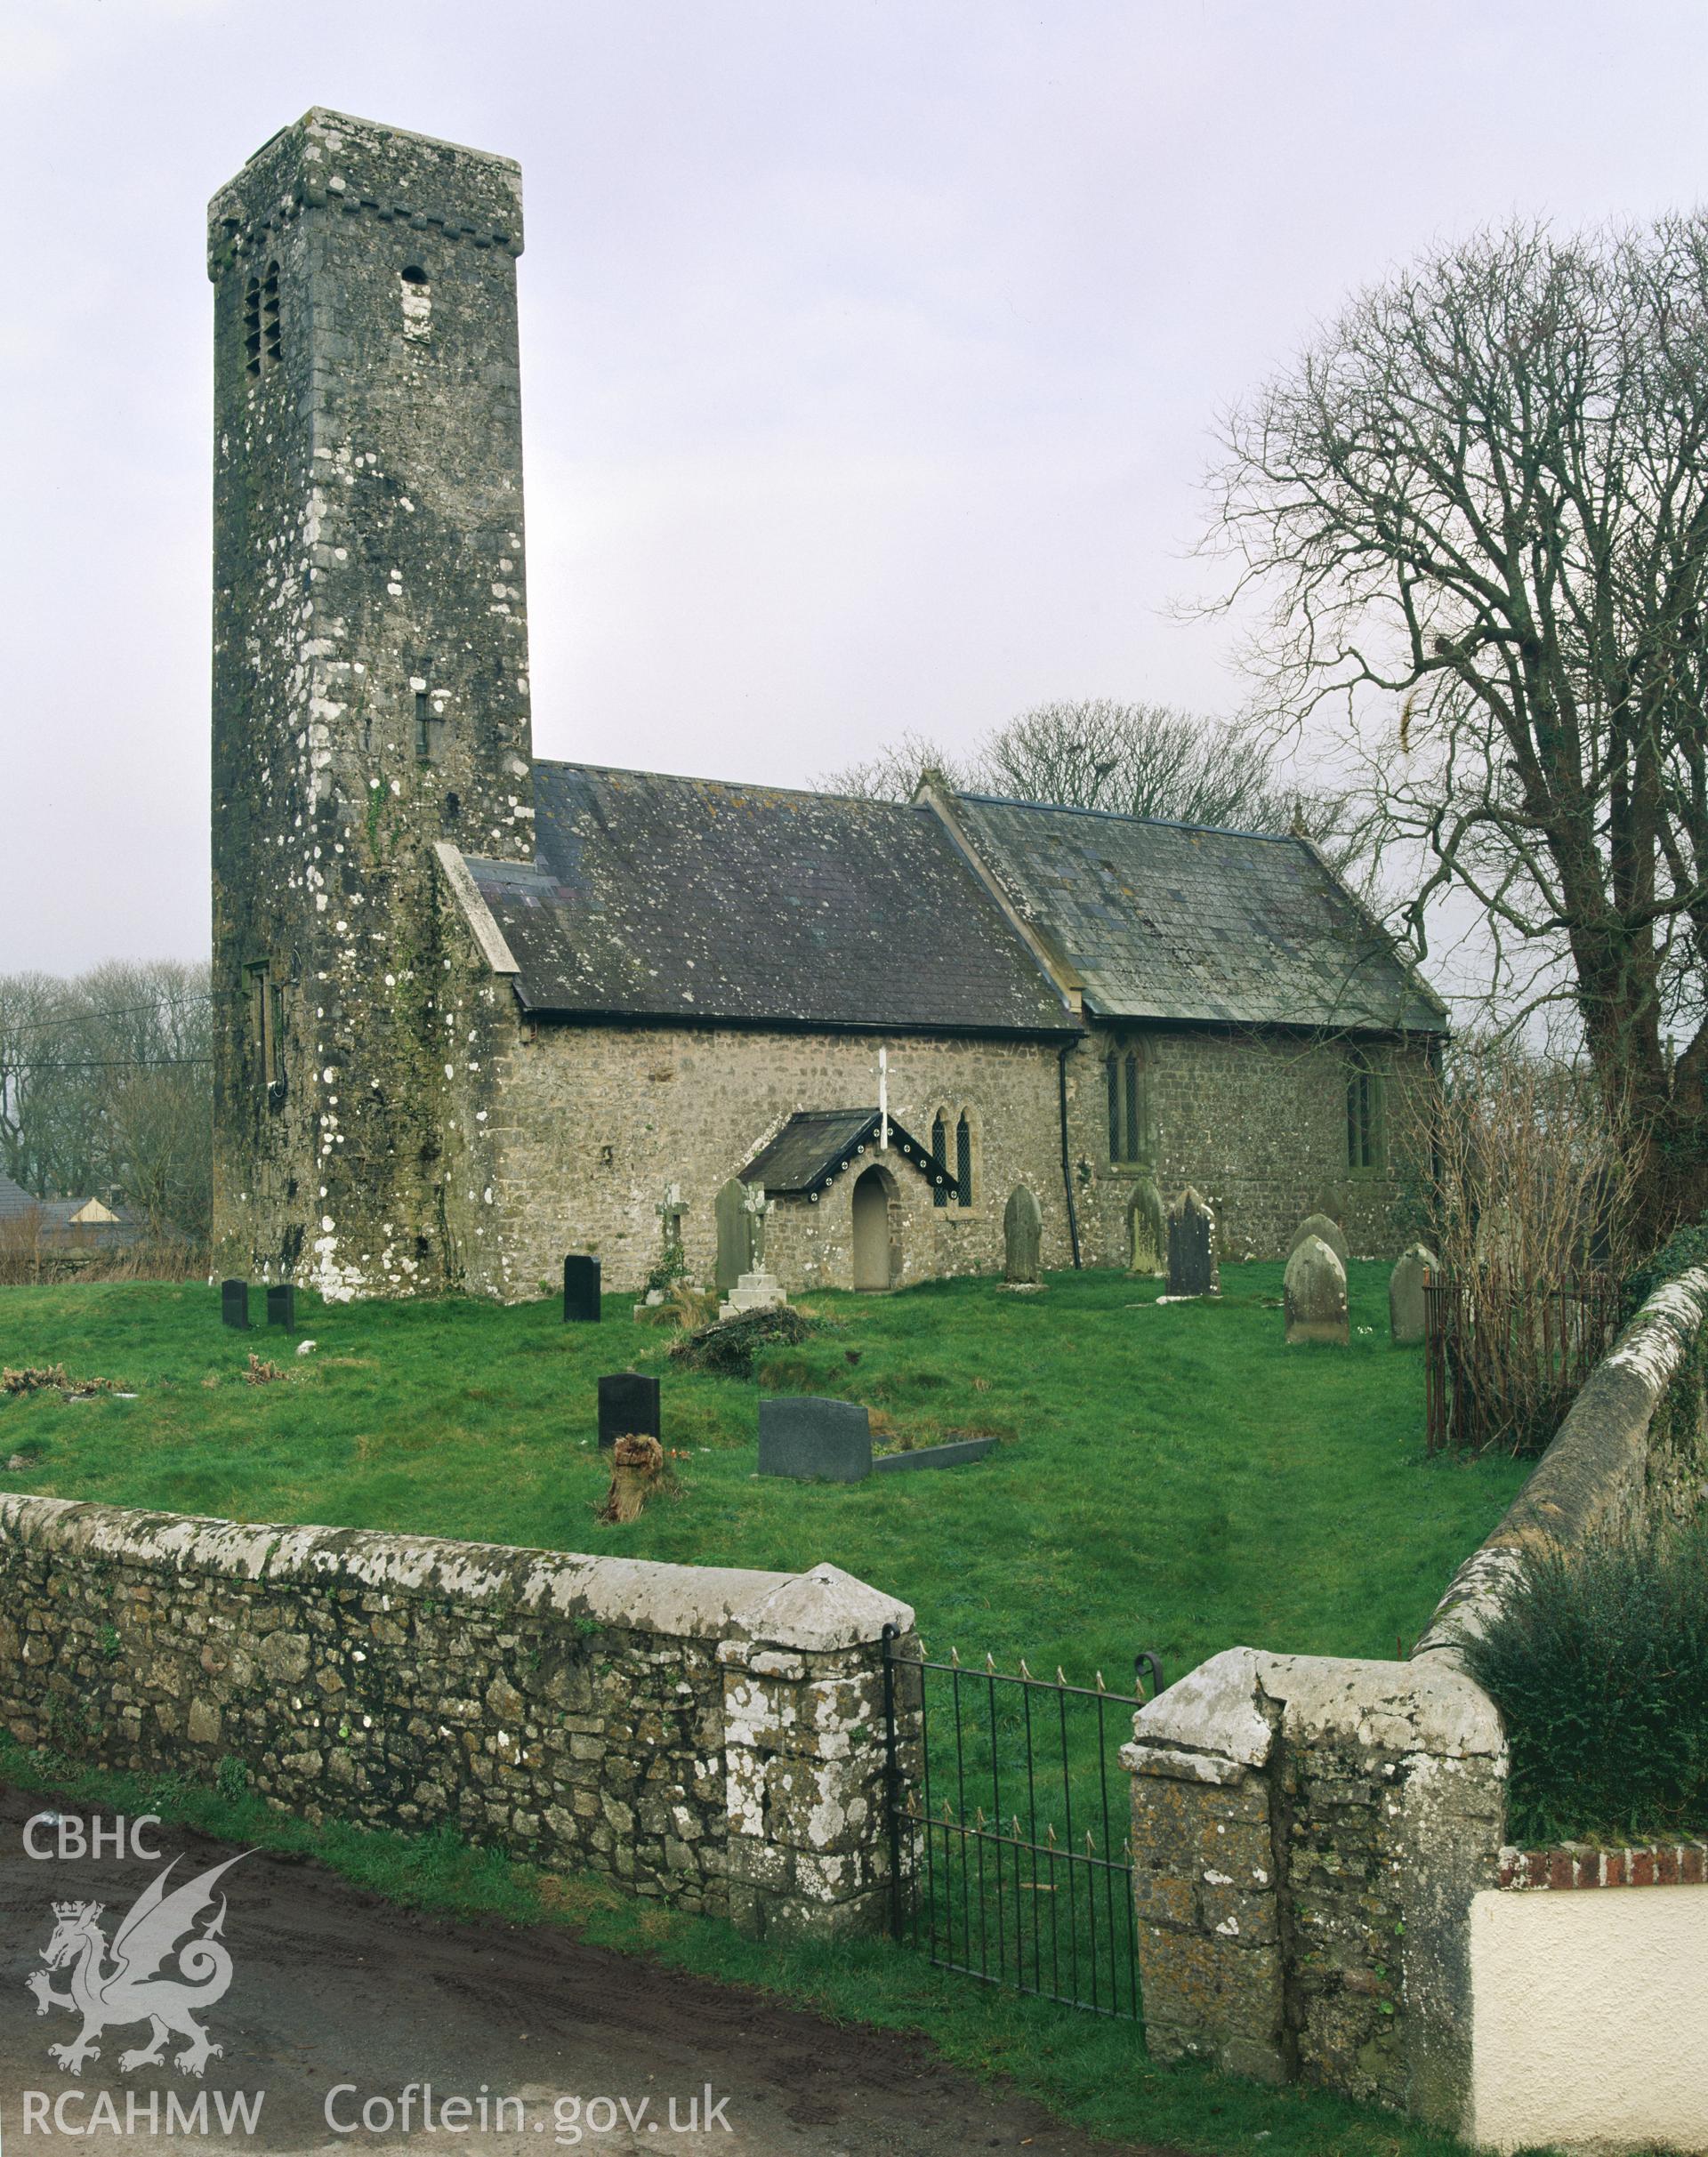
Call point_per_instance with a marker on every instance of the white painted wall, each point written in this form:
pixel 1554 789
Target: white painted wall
pixel 1590 2018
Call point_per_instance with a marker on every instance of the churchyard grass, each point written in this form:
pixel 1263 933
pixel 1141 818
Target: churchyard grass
pixel 1170 1477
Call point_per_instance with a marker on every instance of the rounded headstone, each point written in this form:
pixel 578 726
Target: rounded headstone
pixel 1147 1231
pixel 1022 1235
pixel 1330 1232
pixel 1314 1292
pixel 1405 1305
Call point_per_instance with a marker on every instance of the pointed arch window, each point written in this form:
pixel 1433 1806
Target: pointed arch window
pixel 940 1156
pixel 964 1159
pixel 1365 1152
pixel 1124 1077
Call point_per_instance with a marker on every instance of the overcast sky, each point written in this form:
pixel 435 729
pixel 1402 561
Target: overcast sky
pixel 870 347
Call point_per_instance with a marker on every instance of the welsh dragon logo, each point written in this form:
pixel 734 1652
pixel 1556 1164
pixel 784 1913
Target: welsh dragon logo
pixel 124 1983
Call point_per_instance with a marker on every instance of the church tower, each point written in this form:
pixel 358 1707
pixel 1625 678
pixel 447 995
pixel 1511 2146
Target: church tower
pixel 370 682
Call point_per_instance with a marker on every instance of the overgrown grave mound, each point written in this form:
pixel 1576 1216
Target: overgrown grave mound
pixel 729 1346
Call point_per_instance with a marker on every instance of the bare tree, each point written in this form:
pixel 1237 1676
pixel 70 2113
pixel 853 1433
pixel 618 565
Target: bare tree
pixel 105 1085
pixel 1137 760
pixel 1478 508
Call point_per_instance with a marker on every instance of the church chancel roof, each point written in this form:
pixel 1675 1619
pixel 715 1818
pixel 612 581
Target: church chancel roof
pixel 1181 921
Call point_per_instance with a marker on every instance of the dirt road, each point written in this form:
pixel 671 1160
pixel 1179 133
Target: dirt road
pixel 336 2002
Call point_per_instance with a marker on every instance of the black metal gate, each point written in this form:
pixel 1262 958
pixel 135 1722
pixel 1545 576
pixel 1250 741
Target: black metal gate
pixel 1010 1846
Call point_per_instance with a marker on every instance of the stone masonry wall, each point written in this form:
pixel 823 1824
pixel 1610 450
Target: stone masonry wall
pixel 370 678
pixel 710 1737
pixel 589 1124
pixel 1257 1122
pixel 1309 1834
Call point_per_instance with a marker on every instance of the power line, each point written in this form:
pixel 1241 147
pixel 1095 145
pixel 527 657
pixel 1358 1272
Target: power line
pixel 69 1021
pixel 116 1063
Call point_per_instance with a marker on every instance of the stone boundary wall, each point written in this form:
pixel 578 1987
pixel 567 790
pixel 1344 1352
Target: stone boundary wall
pixel 1310 1833
pixel 711 1737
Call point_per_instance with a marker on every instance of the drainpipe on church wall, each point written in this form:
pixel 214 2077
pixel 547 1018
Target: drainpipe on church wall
pixel 1068 1047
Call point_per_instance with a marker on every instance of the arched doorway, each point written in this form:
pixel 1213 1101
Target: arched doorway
pixel 871 1229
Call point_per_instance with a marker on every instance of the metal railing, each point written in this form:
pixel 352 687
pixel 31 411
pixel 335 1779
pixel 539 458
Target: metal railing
pixel 1504 1358
pixel 1011 1857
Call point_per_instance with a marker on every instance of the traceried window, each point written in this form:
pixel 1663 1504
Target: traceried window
pixel 1364 1114
pixel 940 1156
pixel 1125 1078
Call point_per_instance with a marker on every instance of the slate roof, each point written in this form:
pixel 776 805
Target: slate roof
pixel 56 1217
pixel 1180 921
pixel 661 897
pixel 814 1146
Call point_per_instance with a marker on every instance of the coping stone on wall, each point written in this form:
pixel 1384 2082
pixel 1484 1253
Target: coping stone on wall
pixel 1594 1473
pixel 821 1610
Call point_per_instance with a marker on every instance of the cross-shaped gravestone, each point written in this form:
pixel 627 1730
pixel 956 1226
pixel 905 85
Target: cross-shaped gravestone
pixel 671 1214
pixel 1192 1269
pixel 757 1205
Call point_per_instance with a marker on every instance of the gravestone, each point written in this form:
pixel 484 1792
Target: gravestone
pixel 628 1407
pixel 1407 1311
pixel 580 1290
pixel 815 1440
pixel 1192 1268
pixel 1147 1231
pixel 234 1304
pixel 1330 1232
pixel 281 1306
pixel 1499 1241
pixel 1314 1293
pixel 1022 1238
pixel 734 1234
pixel 758 1289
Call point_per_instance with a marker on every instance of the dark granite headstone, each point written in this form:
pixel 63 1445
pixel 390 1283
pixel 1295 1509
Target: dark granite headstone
pixel 818 1440
pixel 628 1407
pixel 281 1306
pixel 1192 1268
pixel 234 1303
pixel 580 1290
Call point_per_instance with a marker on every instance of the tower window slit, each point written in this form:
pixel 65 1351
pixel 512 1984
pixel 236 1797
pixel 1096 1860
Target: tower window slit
pixel 270 315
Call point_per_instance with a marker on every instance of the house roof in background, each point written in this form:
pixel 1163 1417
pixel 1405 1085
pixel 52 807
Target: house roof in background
pixel 654 897
pixel 1182 922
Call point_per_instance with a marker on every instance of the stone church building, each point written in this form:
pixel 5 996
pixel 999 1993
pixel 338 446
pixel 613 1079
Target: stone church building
pixel 476 1010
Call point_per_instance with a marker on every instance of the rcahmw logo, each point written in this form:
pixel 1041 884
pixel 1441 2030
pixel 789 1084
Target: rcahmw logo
pixel 124 1982
pixel 144 2112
